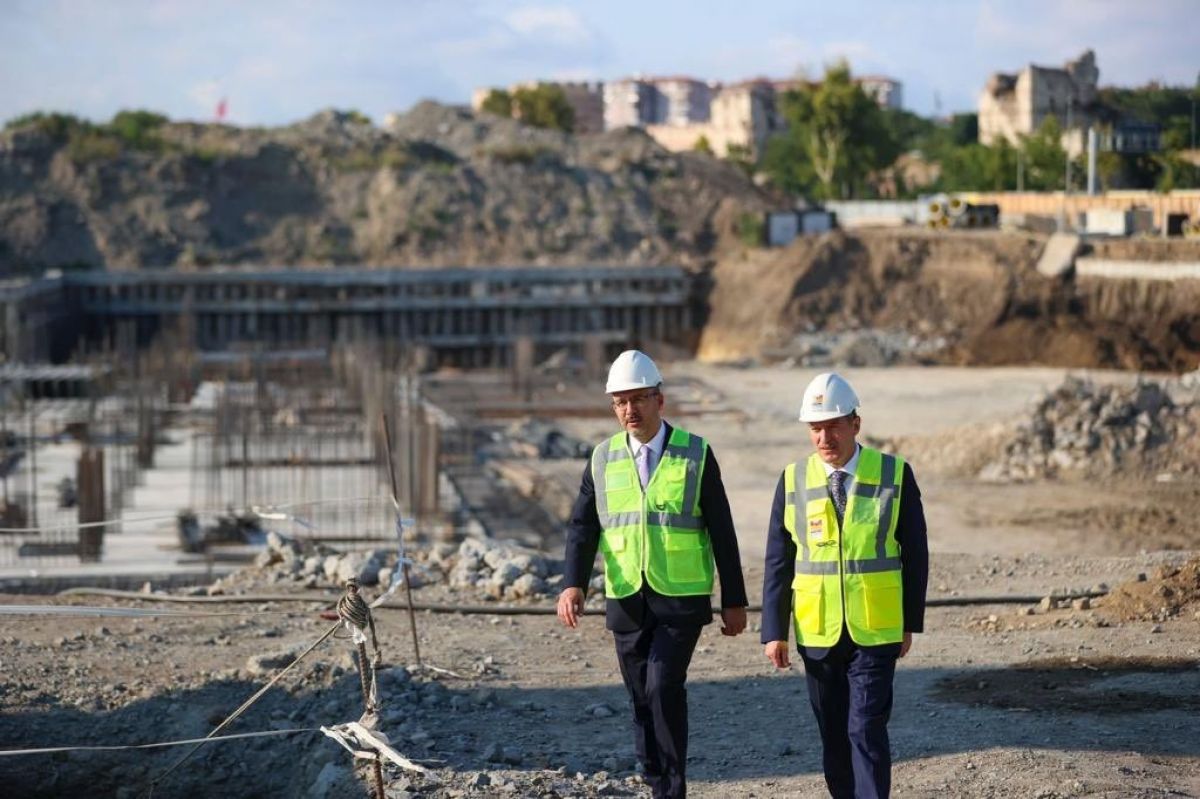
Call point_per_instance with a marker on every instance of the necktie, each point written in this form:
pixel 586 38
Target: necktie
pixel 837 490
pixel 643 465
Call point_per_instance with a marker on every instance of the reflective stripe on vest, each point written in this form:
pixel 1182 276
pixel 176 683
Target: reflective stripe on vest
pixel 657 532
pixel 850 573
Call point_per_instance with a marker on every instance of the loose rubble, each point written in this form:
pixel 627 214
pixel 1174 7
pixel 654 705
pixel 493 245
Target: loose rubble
pixel 1082 428
pixel 489 570
pixel 1173 592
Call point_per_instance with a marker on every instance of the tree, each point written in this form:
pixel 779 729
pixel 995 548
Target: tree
pixel 1045 158
pixel 964 129
pixel 498 102
pixel 544 106
pixel 59 127
pixel 838 130
pixel 138 129
pixel 703 145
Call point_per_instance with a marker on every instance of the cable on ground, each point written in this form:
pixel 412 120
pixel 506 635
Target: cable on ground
pixel 527 610
pixel 50 750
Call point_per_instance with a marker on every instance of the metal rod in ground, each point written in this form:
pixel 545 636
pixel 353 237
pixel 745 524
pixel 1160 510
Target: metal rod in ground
pixel 412 615
pixel 376 765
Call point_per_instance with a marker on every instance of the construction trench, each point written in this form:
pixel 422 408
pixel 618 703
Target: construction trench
pixel 1060 657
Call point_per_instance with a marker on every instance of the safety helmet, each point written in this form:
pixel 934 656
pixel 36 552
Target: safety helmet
pixel 828 396
pixel 631 370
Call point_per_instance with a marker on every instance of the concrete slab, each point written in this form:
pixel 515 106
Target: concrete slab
pixel 1058 256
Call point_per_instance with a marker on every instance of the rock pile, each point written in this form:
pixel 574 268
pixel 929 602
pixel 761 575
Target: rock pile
pixel 1084 428
pixel 501 571
pixel 492 569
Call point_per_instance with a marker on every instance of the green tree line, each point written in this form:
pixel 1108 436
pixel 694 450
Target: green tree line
pixel 543 106
pixel 838 143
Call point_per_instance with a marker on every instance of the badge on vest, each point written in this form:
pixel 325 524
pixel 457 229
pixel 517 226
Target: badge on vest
pixel 816 529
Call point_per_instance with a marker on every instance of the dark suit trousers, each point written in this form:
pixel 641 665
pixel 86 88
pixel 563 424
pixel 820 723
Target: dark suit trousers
pixel 850 690
pixel 654 661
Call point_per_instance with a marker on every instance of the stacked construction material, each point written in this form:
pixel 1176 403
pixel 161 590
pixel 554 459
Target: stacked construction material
pixel 954 212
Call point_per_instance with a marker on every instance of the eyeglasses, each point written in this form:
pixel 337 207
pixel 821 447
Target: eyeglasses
pixel 641 400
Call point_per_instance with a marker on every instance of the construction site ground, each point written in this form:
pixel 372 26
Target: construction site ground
pixel 1024 699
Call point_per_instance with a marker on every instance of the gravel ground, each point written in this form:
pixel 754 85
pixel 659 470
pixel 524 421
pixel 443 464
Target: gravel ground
pixel 1029 700
pixel 996 700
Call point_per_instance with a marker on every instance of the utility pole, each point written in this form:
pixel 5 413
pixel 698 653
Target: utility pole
pixel 1070 107
pixel 1195 91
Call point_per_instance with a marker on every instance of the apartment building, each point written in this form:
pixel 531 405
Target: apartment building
pixel 887 92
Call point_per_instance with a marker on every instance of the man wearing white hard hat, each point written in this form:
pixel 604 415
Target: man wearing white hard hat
pixel 652 501
pixel 847 566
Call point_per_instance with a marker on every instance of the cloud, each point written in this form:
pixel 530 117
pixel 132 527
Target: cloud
pixel 558 25
pixel 1134 42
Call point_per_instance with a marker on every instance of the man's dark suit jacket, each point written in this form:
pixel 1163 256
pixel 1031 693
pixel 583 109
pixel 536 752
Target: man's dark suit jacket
pixel 625 615
pixel 781 567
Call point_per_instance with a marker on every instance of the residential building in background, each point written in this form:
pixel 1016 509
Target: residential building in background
pixel 741 118
pixel 1015 105
pixel 679 111
pixel 887 92
pixel 682 100
pixel 629 102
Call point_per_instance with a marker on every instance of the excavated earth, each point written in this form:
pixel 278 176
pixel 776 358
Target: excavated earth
pixel 972 298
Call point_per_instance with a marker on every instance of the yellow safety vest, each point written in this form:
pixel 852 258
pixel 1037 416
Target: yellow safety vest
pixel 848 574
pixel 658 532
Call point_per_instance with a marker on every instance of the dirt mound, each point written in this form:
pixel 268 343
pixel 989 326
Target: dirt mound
pixel 1085 428
pixel 977 294
pixel 1171 592
pixel 437 186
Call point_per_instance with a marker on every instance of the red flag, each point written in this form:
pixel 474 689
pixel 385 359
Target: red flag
pixel 222 107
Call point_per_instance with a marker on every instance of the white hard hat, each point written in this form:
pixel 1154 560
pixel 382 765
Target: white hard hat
pixel 631 370
pixel 828 396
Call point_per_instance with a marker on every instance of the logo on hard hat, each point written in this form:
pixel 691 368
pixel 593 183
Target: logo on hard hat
pixel 818 399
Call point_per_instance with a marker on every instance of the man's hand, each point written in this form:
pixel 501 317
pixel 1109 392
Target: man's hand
pixel 906 644
pixel 733 621
pixel 570 607
pixel 777 653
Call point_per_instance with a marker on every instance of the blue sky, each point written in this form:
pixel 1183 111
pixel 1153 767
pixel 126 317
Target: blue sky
pixel 280 61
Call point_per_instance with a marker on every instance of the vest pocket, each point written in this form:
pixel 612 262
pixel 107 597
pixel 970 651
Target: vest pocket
pixel 885 610
pixel 808 603
pixel 617 480
pixel 685 555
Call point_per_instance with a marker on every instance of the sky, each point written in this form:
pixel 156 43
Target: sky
pixel 277 61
